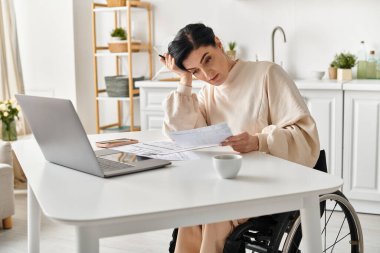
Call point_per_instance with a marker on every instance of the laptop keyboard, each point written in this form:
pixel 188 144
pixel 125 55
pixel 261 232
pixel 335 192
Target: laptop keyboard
pixel 108 165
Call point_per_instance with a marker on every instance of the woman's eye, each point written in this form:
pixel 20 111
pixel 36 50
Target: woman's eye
pixel 208 59
pixel 195 71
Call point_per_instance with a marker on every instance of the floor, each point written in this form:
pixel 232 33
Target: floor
pixel 57 238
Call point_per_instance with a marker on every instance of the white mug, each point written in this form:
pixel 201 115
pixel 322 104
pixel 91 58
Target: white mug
pixel 228 165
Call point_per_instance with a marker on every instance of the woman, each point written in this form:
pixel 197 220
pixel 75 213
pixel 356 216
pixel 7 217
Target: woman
pixel 258 100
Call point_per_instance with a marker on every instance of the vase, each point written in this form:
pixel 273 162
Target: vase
pixel 344 75
pixel 231 54
pixel 332 73
pixel 9 132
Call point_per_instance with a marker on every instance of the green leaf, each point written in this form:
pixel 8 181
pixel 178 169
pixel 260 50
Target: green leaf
pixel 232 45
pixel 119 32
pixel 344 60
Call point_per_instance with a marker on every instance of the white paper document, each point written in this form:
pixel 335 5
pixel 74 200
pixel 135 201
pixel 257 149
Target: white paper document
pixel 166 150
pixel 205 136
pixel 184 141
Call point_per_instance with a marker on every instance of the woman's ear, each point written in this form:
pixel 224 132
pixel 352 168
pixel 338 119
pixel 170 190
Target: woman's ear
pixel 218 43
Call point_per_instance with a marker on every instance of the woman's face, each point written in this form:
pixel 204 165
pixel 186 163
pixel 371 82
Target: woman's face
pixel 209 64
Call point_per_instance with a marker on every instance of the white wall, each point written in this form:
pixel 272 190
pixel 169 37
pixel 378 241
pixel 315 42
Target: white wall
pixel 46 46
pixel 56 52
pixel 315 29
pixel 84 77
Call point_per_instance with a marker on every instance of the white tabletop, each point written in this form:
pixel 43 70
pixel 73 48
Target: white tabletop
pixel 74 197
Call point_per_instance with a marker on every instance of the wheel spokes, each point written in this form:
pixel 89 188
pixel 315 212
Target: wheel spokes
pixel 333 245
pixel 325 228
pixel 329 217
pixel 337 236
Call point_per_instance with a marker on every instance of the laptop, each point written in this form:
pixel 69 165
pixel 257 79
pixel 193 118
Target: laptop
pixel 63 141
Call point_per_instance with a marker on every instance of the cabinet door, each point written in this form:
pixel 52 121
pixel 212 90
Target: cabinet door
pixel 151 110
pixel 362 150
pixel 152 120
pixel 151 98
pixel 326 107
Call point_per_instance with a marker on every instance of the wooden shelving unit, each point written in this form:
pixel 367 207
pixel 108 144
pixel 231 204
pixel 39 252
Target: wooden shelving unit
pixel 100 51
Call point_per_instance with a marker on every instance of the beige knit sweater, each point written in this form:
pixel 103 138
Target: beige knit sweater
pixel 257 97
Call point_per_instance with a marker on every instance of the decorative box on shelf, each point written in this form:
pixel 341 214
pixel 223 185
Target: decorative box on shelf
pixel 118 86
pixel 122 46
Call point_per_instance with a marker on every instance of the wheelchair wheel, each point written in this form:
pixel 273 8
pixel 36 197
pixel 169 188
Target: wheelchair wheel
pixel 341 230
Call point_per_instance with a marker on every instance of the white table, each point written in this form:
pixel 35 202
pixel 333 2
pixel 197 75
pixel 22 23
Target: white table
pixel 183 194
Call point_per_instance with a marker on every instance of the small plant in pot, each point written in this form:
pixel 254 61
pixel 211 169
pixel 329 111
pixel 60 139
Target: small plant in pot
pixel 118 42
pixel 231 52
pixel 333 70
pixel 344 63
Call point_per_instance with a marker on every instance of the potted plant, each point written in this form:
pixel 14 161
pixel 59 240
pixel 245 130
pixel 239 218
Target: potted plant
pixel 118 42
pixel 333 70
pixel 8 114
pixel 232 50
pixel 344 63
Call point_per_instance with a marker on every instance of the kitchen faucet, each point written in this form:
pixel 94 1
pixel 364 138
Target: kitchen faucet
pixel 273 33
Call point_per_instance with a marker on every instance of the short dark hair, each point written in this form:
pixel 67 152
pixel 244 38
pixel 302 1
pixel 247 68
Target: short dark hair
pixel 189 38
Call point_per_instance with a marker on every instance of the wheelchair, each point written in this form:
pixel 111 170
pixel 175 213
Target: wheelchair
pixel 341 229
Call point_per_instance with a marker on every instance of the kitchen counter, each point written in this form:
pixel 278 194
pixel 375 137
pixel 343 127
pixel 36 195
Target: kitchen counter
pixel 318 84
pixel 166 84
pixel 364 84
pixel 301 84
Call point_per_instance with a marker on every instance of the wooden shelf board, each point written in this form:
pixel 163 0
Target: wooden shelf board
pixel 136 5
pixel 120 129
pixel 108 126
pixel 110 54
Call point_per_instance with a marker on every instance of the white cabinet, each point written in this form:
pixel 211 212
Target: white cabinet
pixel 151 112
pixel 325 102
pixel 152 120
pixel 326 107
pixel 361 153
pixel 152 94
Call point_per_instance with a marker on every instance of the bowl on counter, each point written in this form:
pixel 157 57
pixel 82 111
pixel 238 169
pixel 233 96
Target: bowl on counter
pixel 317 75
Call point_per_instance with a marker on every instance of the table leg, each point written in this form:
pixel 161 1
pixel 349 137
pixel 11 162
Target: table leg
pixel 311 227
pixel 87 240
pixel 34 222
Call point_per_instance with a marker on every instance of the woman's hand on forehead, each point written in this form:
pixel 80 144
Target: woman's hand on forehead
pixel 169 62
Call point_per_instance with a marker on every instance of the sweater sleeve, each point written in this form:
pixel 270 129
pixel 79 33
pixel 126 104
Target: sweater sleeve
pixel 291 133
pixel 184 110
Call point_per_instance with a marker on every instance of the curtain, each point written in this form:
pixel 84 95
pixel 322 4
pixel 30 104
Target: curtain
pixel 11 79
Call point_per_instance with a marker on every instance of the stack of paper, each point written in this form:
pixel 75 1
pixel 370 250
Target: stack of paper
pixel 183 141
